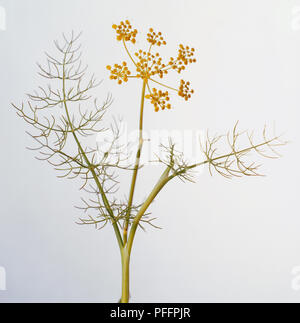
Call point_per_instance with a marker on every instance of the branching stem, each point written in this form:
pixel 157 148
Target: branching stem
pixel 137 163
pixel 103 195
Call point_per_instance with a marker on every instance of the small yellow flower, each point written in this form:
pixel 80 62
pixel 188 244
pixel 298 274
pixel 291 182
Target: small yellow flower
pixel 159 99
pixel 125 32
pixel 185 57
pixel 119 72
pixel 184 90
pixel 149 65
pixel 155 38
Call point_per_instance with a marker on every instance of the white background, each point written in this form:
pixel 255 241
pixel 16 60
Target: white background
pixel 222 240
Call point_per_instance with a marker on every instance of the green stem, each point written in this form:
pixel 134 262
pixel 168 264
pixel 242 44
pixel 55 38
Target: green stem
pixel 137 163
pixel 164 179
pixel 125 276
pixel 126 251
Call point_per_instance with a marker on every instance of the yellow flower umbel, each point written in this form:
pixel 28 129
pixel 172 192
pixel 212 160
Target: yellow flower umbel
pixel 119 72
pixel 149 65
pixel 124 32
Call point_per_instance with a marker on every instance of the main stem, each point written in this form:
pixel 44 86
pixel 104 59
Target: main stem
pixel 125 251
pixel 137 163
pixel 125 276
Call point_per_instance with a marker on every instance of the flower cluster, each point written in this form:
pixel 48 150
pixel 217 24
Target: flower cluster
pixel 185 57
pixel 125 32
pixel 119 72
pixel 148 65
pixel 159 99
pixel 155 38
pixel 184 90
